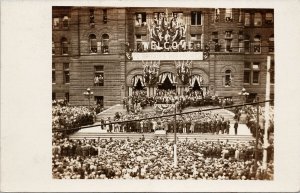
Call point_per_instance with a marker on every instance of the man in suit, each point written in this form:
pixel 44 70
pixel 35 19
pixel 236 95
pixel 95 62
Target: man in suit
pixel 236 125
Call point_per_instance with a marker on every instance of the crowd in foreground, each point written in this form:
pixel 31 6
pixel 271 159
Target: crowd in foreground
pixel 153 159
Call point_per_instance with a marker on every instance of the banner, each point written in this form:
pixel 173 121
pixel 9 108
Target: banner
pixel 162 56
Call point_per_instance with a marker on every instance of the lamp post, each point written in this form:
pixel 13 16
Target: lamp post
pixel 175 140
pixel 88 93
pixel 244 95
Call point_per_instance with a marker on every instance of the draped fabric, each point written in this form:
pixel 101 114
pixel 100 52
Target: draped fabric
pixel 194 78
pixel 164 75
pixel 136 78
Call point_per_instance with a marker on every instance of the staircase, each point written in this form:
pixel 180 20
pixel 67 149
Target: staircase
pixel 169 136
pixel 228 115
pixel 110 112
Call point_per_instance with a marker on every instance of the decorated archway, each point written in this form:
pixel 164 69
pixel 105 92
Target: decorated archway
pixel 138 82
pixel 196 81
pixel 166 81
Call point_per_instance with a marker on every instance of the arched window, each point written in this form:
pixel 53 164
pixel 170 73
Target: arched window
pixel 247 44
pixel 105 43
pixel 257 19
pixel 257 44
pixel 64 46
pixel 228 78
pixel 65 21
pixel 271 43
pixel 93 43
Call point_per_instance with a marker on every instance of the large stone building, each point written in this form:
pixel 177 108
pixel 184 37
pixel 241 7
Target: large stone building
pixel 114 51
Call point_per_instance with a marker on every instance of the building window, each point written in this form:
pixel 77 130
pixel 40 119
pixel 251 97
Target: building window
pixel 64 46
pixel 215 40
pixel 140 45
pixel 53 73
pixel 247 72
pixel 241 41
pixel 92 17
pixel 247 19
pixel 53 48
pixel 271 43
pixel 99 76
pixel 105 43
pixel 272 73
pixel 228 46
pixel 228 78
pixel 228 41
pixel 269 18
pixel 228 34
pixel 99 101
pixel 255 73
pixel 66 73
pixel 257 44
pixel 93 43
pixel 217 15
pixel 140 19
pixel 195 18
pixel 196 42
pixel 104 15
pixel 247 44
pixel 158 18
pixel 55 23
pixel 228 15
pixel 67 97
pixel 257 19
pixel 65 22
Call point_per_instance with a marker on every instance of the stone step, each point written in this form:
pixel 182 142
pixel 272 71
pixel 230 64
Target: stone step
pixel 170 136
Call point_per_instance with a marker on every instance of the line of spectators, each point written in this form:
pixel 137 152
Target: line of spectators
pixel 153 159
pixel 251 121
pixel 199 122
pixel 139 99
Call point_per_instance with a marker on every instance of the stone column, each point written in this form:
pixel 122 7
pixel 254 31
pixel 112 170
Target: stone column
pixel 129 91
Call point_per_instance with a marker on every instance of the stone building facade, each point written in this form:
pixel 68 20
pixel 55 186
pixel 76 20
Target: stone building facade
pixel 113 51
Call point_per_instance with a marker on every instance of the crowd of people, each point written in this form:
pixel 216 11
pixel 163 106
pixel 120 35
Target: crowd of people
pixel 71 117
pixel 198 122
pixel 251 121
pixel 192 98
pixel 153 159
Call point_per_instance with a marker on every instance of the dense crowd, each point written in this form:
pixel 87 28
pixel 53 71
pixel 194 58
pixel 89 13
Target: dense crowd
pixel 251 121
pixel 191 98
pixel 199 122
pixel 153 159
pixel 71 117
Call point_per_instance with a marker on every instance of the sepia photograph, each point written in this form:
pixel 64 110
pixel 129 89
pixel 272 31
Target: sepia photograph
pixel 149 96
pixel 164 93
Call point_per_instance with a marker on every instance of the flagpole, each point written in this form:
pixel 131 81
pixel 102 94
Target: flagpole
pixel 267 114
